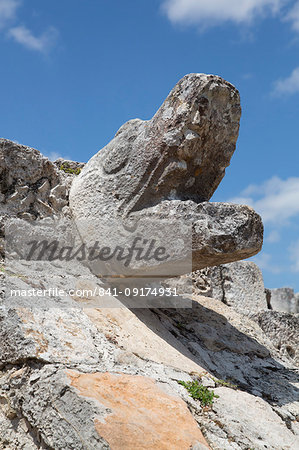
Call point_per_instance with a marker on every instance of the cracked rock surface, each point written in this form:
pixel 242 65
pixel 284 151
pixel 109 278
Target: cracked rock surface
pixel 283 329
pixel 240 285
pixel 31 185
pixel 284 300
pixel 70 372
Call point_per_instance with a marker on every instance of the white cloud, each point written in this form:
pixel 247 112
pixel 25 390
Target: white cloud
pixel 53 156
pixel 276 200
pixel 273 237
pixel 8 10
pixel 294 256
pixel 212 12
pixel 20 33
pixel 264 261
pixel 24 36
pixel 293 16
pixel 289 85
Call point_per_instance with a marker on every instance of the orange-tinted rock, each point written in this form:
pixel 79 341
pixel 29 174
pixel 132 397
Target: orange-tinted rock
pixel 143 415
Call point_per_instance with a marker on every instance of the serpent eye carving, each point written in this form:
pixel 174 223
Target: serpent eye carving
pixel 116 160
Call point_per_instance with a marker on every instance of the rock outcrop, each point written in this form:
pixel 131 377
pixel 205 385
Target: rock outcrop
pixel 236 411
pixel 71 374
pixel 170 166
pixel 284 300
pixel 239 285
pixel 283 330
pixel 69 167
pixel 31 185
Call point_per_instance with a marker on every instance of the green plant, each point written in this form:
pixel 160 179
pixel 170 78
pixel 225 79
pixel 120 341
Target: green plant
pixel 67 169
pixel 199 392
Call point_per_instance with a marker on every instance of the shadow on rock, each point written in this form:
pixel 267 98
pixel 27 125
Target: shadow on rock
pixel 230 346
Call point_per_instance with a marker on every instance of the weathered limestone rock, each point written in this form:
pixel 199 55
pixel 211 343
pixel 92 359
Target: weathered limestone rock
pixel 239 285
pixel 234 348
pixel 60 364
pixel 135 403
pixel 221 232
pixel 101 411
pixel 284 300
pixel 54 329
pixel 31 185
pixel 68 166
pixel 221 341
pixel 283 330
pixel 15 432
pixel 168 157
pixel 237 411
pixel 168 166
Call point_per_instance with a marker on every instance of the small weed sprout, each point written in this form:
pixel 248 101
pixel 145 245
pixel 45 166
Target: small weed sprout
pixel 224 383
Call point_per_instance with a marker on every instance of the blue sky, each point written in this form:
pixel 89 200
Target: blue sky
pixel 72 72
